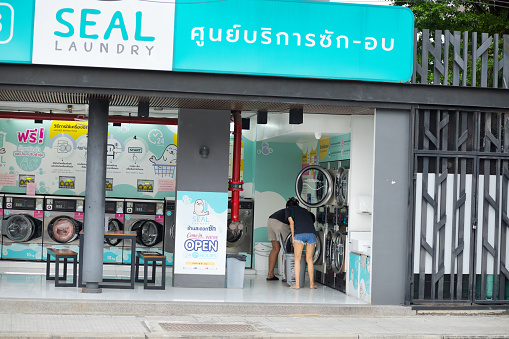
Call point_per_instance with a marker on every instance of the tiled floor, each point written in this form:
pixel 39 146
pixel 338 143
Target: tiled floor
pixel 27 280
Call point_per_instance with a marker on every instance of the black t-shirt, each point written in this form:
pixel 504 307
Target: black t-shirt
pixel 302 219
pixel 280 215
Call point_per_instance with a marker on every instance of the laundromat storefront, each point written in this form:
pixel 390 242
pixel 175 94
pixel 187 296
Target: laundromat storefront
pixel 173 56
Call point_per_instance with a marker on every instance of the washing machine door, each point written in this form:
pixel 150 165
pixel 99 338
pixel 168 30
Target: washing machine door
pixel 338 252
pixel 149 232
pixel 235 235
pixel 316 254
pixel 114 225
pixel 20 228
pixel 314 186
pixel 64 229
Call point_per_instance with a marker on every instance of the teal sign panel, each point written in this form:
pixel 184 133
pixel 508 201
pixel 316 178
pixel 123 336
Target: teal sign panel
pixel 16 30
pixel 295 38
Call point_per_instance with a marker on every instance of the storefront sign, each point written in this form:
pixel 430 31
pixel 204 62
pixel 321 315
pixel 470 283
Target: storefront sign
pixel 295 38
pixel 119 34
pixel 307 39
pixel 16 30
pixel 200 237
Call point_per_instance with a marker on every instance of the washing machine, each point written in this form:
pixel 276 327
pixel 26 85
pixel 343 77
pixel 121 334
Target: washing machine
pixel 114 222
pixel 63 221
pixel 169 229
pixel 146 218
pixel 22 227
pixel 239 240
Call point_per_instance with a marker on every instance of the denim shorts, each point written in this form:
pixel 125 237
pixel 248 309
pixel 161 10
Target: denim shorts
pixel 309 238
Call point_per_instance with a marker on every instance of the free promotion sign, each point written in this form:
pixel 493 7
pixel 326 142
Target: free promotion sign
pixel 308 39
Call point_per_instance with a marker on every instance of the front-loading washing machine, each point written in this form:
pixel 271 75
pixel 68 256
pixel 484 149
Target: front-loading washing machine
pixel 239 238
pixel 63 221
pixel 146 218
pixel 114 217
pixel 22 227
pixel 169 229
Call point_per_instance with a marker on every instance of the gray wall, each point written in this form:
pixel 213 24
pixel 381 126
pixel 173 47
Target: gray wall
pixel 390 206
pixel 197 128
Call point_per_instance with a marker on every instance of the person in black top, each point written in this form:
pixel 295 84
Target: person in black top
pixel 303 232
pixel 276 224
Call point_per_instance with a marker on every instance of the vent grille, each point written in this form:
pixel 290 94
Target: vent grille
pixel 209 328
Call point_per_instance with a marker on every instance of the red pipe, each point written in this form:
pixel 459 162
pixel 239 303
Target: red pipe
pixel 74 117
pixel 235 185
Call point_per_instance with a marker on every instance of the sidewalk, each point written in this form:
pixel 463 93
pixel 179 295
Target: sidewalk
pixel 493 324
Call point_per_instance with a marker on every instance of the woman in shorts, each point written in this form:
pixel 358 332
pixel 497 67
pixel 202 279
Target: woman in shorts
pixel 303 233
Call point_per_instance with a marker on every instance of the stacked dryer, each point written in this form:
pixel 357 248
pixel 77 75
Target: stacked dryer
pixel 63 221
pixel 22 227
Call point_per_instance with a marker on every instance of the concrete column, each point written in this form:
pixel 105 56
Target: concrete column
pixel 198 128
pixel 390 206
pixel 95 194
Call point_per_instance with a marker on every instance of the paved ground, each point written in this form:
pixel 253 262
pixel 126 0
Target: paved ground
pixel 436 325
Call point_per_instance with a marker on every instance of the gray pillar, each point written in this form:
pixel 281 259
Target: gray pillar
pixel 95 194
pixel 390 207
pixel 197 128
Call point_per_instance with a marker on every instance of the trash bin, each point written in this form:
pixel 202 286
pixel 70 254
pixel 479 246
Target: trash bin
pixel 235 266
pixel 290 269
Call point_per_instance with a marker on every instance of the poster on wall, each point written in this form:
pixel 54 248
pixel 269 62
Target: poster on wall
pixel 200 237
pixel 141 159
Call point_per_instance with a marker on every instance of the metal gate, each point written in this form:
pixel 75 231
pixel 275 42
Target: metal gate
pixel 460 210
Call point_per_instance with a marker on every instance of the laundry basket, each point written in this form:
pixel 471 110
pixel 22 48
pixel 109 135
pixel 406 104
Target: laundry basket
pixel 289 264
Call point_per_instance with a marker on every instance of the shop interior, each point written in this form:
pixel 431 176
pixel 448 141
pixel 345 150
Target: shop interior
pixel 275 156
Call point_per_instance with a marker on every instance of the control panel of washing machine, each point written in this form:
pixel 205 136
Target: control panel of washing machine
pixel 64 205
pixel 114 207
pixel 31 204
pixel 150 208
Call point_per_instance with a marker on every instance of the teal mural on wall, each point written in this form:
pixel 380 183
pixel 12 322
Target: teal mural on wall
pixel 277 165
pixel 141 159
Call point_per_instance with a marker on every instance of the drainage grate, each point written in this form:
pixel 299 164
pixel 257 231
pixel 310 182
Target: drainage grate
pixel 170 327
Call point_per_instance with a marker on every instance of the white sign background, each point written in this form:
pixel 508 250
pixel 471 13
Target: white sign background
pixel 157 20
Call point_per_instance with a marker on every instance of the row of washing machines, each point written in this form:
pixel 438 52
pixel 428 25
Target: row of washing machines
pixel 332 228
pixel 32 224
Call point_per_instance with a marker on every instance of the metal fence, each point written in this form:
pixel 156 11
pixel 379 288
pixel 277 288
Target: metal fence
pixel 461 59
pixel 461 203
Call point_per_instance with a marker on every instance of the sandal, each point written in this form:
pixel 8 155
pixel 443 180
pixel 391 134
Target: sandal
pixel 273 278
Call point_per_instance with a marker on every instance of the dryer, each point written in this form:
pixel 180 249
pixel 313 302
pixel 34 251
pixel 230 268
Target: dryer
pixel 114 222
pixel 22 227
pixel 169 229
pixel 146 218
pixel 239 240
pixel 63 221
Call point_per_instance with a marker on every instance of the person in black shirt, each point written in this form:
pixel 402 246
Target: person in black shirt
pixel 303 232
pixel 276 224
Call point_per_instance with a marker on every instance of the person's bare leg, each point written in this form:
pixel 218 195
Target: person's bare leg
pixel 297 247
pixel 273 258
pixel 310 250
